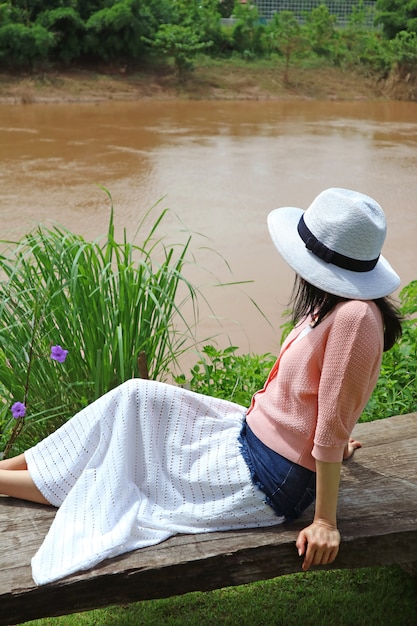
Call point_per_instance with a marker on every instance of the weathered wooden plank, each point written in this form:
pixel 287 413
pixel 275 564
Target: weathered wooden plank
pixel 239 567
pixel 389 445
pixel 396 428
pixel 377 519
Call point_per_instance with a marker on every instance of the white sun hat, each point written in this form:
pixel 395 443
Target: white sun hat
pixel 336 244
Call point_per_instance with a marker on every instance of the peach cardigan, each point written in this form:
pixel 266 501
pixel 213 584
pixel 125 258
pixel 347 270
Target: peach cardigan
pixel 320 384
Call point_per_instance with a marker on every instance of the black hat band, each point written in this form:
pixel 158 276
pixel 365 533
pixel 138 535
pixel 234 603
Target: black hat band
pixel 327 255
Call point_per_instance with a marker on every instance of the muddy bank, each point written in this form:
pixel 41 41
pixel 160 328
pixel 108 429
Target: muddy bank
pixel 214 81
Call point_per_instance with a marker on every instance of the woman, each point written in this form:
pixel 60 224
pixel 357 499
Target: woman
pixel 149 460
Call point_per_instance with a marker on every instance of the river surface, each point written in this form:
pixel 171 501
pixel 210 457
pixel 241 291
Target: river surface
pixel 220 167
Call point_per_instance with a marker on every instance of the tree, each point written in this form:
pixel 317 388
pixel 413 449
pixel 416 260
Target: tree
pixel 118 31
pixel 30 9
pixel 24 46
pixel 396 15
pixel 320 28
pixel 285 36
pixel 69 31
pixel 362 47
pixel 179 42
pixel 248 31
pixel 203 17
pixel 404 53
pixel 225 7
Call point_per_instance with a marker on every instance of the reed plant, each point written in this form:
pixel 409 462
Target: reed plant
pixel 110 305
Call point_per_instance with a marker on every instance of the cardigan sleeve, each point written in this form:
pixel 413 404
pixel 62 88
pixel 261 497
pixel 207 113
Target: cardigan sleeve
pixel 350 369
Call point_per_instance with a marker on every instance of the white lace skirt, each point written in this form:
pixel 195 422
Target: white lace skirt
pixel 144 462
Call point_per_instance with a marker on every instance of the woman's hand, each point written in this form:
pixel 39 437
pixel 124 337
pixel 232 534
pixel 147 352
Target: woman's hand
pixel 350 448
pixel 318 543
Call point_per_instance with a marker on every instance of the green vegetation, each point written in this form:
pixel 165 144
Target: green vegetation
pixel 113 306
pixel 132 33
pixel 396 16
pixel 225 374
pixel 396 390
pixel 383 596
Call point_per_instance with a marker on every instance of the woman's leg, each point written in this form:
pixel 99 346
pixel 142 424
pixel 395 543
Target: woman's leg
pixel 15 463
pixel 18 484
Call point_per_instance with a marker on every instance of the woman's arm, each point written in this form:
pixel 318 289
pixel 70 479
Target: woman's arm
pixel 319 542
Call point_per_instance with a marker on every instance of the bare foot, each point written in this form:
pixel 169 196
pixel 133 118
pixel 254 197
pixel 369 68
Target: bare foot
pixel 350 448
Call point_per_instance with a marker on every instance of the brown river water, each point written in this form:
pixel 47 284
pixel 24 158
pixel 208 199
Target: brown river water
pixel 220 167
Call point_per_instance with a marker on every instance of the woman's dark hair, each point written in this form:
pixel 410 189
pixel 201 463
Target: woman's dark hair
pixel 309 300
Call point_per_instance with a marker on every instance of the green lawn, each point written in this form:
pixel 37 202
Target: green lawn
pixel 383 596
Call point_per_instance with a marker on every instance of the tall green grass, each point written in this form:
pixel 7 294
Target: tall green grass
pixel 111 305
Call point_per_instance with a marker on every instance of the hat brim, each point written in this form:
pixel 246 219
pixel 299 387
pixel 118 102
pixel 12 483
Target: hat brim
pixel 377 283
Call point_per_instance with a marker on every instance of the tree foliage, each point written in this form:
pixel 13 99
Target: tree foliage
pixel 181 43
pixel 320 28
pixel 397 15
pixel 68 29
pixel 22 46
pixel 248 32
pixel 226 7
pixel 286 37
pixel 73 30
pixel 202 18
pixel 404 52
pixel 46 32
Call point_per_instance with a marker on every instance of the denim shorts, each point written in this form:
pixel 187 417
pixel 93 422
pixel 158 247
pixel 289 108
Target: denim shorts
pixel 289 487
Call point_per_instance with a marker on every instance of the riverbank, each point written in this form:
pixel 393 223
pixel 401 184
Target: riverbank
pixel 213 80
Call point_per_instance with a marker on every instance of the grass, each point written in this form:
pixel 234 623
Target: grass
pixel 383 596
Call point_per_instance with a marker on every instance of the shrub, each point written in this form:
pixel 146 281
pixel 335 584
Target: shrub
pixel 404 53
pixel 320 30
pixel 69 30
pixel 395 16
pixel 248 32
pixel 118 31
pixel 284 34
pixel 181 43
pixel 225 374
pixel 24 46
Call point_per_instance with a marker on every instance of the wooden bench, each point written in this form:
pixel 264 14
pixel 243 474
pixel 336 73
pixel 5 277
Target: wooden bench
pixel 377 519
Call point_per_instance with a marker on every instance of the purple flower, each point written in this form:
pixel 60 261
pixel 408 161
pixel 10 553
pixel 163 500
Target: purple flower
pixel 18 410
pixel 58 354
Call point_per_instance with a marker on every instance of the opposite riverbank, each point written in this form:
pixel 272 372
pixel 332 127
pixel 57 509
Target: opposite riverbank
pixel 210 80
